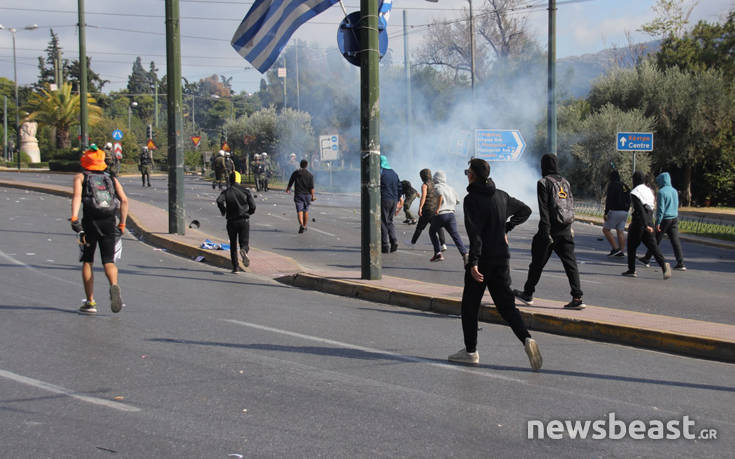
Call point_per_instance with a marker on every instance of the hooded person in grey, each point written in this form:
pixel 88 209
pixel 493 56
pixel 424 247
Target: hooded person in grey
pixel 444 218
pixel 552 235
pixel 667 219
pixel 427 207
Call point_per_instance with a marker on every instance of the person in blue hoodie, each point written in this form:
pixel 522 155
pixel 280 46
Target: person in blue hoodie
pixel 667 219
pixel 391 201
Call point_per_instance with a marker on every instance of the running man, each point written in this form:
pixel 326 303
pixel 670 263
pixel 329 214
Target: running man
pixel 303 183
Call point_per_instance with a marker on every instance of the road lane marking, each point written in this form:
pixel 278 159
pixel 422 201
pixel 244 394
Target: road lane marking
pixel 35 270
pixel 279 217
pixel 68 392
pixel 373 351
pixel 320 231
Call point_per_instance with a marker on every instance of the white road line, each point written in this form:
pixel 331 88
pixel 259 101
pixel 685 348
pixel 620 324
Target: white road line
pixel 64 391
pixel 373 350
pixel 279 217
pixel 311 228
pixel 35 270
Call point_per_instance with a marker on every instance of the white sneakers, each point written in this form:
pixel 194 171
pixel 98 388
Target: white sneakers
pixel 534 355
pixel 467 358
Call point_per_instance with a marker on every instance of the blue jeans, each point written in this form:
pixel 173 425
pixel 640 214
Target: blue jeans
pixel 448 222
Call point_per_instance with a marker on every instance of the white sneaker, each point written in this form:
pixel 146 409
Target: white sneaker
pixel 534 355
pixel 444 247
pixel 468 358
pixel 245 258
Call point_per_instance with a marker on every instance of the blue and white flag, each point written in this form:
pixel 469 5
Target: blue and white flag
pixel 269 25
pixel 384 13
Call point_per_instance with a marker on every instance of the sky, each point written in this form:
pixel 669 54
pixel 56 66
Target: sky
pixel 118 31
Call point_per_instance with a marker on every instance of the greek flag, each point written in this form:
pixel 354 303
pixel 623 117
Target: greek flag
pixel 269 25
pixel 384 13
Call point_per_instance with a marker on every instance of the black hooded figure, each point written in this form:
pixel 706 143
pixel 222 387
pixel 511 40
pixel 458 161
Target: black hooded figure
pixel 641 226
pixel 551 236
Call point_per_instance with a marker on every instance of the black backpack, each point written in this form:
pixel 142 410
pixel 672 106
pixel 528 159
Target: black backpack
pixel 98 195
pixel 562 212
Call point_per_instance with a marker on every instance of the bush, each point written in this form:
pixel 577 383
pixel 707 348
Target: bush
pixel 65 165
pixel 41 165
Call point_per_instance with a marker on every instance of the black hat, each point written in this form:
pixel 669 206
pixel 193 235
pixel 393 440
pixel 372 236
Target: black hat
pixel 480 168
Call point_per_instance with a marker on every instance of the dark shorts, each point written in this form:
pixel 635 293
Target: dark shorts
pixel 100 232
pixel 303 201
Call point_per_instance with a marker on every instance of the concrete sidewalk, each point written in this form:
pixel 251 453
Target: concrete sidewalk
pixel 668 334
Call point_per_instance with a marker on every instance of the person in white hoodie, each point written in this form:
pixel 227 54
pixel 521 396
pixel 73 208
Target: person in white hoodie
pixel 444 218
pixel 641 226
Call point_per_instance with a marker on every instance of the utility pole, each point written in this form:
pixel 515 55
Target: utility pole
pixel 17 105
pixel 61 68
pixel 371 258
pixel 407 67
pixel 551 113
pixel 5 127
pixel 175 126
pixel 472 51
pixel 83 115
pixel 155 102
pixel 285 76
pixel 298 93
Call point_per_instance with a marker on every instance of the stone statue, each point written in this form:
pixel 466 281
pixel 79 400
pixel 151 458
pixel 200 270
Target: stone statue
pixel 29 142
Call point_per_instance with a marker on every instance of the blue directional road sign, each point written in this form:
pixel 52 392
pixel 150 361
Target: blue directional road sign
pixel 117 134
pixel 499 144
pixel 635 141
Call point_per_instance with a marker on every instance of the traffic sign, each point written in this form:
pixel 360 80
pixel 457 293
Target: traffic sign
pixel 499 144
pixel 117 134
pixel 196 139
pixel 329 147
pixel 151 144
pixel 634 141
pixel 117 149
pixel 348 39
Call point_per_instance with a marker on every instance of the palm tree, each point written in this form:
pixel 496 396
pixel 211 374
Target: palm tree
pixel 60 110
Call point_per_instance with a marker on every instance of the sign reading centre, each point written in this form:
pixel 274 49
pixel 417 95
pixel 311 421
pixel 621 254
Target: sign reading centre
pixel 635 141
pixel 329 147
pixel 499 144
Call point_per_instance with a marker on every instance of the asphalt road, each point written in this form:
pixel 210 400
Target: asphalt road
pixel 704 292
pixel 203 363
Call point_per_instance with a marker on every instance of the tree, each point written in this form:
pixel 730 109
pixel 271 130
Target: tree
pixel 671 20
pixel 60 109
pixel 139 81
pixel 47 66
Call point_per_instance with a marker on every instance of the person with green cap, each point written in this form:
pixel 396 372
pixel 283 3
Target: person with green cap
pixel 391 202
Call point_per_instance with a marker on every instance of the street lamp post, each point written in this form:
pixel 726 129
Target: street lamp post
pixel 15 77
pixel 130 112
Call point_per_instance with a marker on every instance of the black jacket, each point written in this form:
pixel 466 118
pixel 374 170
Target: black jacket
pixel 302 180
pixel 407 189
pixel 618 197
pixel 544 193
pixel 642 214
pixel 486 214
pixel 236 202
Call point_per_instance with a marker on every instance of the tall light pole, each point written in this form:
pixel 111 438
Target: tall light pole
pixel 130 112
pixel 15 77
pixel 551 112
pixel 83 109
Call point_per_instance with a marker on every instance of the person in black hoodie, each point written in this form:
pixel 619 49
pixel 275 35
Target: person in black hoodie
pixel 489 214
pixel 617 204
pixel 641 226
pixel 552 236
pixel 237 204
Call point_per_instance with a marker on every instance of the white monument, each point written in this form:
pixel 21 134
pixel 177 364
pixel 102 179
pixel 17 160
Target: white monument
pixel 29 142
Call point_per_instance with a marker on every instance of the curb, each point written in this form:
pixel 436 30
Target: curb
pixel 683 236
pixel 674 343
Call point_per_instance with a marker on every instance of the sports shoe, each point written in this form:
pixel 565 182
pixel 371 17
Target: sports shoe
pixel 630 273
pixel 393 248
pixel 576 304
pixel 412 222
pixel 680 267
pixel 245 258
pixel 523 296
pixel 613 253
pixel 406 221
pixel 116 303
pixel 385 249
pixel 301 229
pixel 620 253
pixel 534 355
pixel 646 261
pixel 236 271
pixel 667 271
pixel 437 257
pixel 88 307
pixel 467 358
pixel 444 247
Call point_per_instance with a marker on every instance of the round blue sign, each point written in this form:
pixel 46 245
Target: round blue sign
pixel 348 39
pixel 117 134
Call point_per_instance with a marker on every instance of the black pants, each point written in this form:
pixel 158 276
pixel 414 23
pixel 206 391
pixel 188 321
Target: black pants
pixel 638 233
pixel 387 228
pixel 407 207
pixel 424 220
pixel 497 281
pixel 239 231
pixel 145 174
pixel 670 227
pixel 541 249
